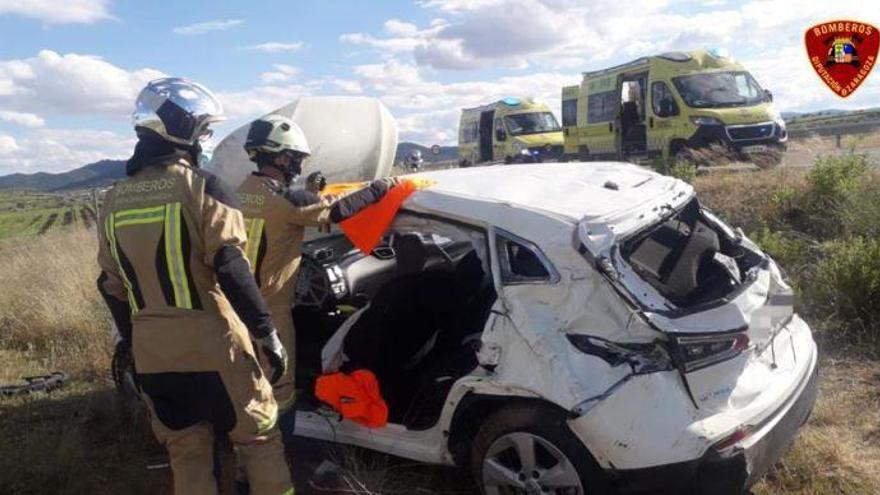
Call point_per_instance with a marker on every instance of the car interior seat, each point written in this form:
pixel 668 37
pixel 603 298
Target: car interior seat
pixel 411 253
pixel 683 278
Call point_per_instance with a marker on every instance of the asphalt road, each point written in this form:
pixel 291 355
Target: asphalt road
pixel 799 157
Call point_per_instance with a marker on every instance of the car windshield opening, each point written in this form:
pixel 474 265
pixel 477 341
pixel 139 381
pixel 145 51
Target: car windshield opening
pixel 719 89
pixel 690 260
pixel 531 123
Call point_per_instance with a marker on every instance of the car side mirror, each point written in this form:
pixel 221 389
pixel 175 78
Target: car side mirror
pixel 500 135
pixel 768 95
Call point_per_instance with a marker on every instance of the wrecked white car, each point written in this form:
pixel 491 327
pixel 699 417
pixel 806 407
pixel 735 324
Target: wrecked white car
pixel 562 328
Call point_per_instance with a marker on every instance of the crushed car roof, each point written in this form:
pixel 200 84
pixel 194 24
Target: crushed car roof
pixel 591 191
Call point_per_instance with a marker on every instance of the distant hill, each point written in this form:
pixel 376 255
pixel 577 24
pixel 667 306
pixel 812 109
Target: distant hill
pixel 96 174
pixel 105 172
pixel 793 117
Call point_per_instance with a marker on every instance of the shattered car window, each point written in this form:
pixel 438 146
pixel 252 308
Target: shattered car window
pixel 688 259
pixel 522 262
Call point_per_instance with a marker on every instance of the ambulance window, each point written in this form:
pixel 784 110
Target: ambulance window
pixel 569 113
pixel 744 88
pixel 602 107
pixel 662 101
pixel 500 133
pixel 523 262
pixel 469 132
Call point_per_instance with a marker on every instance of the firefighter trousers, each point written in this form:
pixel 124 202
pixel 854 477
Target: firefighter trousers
pixel 186 409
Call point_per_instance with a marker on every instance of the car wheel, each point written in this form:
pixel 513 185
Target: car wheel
pixel 531 450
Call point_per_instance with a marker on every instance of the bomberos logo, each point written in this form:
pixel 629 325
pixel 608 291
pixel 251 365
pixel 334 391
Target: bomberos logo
pixel 842 53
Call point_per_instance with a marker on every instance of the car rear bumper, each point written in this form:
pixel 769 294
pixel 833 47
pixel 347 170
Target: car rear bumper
pixel 734 470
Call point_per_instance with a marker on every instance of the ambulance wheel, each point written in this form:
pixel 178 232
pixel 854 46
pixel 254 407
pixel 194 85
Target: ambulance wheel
pixel 682 155
pixel 508 160
pixel 530 449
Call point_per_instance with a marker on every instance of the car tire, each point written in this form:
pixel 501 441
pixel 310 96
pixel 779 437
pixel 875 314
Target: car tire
pixel 557 460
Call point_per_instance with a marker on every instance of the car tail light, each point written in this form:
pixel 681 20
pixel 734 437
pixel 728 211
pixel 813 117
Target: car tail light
pixel 734 438
pixel 698 351
pixel 642 358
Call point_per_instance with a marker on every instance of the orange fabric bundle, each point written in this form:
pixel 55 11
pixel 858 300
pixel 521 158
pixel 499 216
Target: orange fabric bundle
pixel 355 396
pixel 365 229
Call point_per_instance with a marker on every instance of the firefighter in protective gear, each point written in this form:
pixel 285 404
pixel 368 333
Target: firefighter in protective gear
pixel 414 160
pixel 171 251
pixel 276 217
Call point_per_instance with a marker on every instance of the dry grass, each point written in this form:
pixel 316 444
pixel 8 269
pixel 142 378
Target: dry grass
pixel 838 451
pixel 748 200
pixel 80 439
pixel 51 315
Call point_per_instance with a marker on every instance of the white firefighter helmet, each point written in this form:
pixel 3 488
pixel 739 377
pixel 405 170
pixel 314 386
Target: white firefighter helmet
pixel 179 111
pixel 275 134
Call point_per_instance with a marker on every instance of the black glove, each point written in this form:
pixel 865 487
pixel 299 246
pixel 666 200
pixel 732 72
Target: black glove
pixel 316 182
pixel 275 355
pixel 387 182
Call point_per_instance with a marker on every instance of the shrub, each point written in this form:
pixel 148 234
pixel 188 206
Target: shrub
pixel 833 178
pixel 793 251
pixel 862 214
pixel 837 198
pixel 752 200
pixel 846 286
pixel 683 170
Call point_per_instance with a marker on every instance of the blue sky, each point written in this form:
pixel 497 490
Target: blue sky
pixel 70 69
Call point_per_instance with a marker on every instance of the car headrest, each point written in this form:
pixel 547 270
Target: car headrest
pixel 411 253
pixel 702 244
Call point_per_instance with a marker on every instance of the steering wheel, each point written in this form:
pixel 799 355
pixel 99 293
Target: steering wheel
pixel 313 285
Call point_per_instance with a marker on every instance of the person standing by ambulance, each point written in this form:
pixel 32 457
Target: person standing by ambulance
pixel 276 217
pixel 174 275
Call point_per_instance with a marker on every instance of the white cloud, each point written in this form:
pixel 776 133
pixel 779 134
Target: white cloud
pixel 457 6
pixel 70 84
pixel 276 47
pixel 404 37
pixel 244 105
pixel 550 34
pixel 428 111
pixel 59 150
pixel 55 12
pixel 8 145
pixel 389 76
pixel 282 73
pixel 390 44
pixel 207 27
pixel 22 118
pixel 398 27
pixel 347 85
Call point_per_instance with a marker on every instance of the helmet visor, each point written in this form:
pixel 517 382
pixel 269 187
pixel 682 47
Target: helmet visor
pixel 190 96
